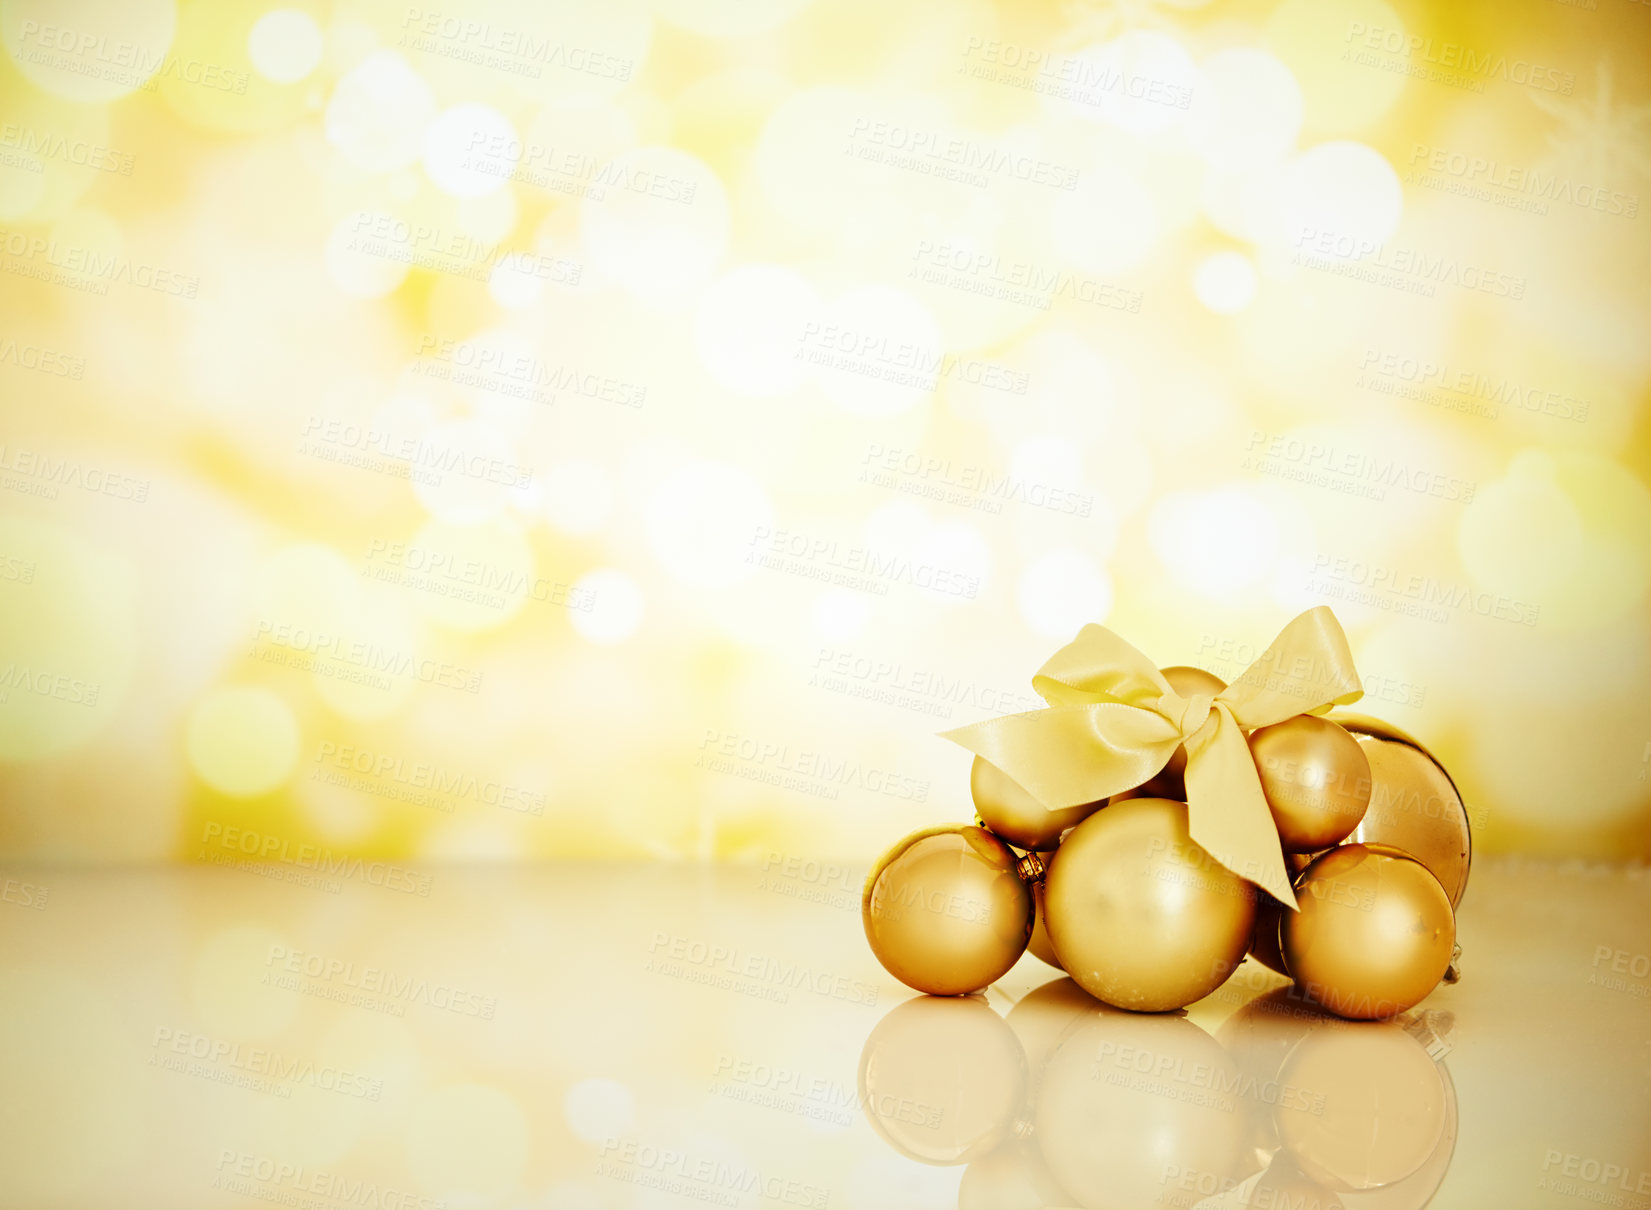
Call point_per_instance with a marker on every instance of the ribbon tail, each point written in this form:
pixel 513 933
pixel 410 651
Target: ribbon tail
pixel 1226 811
pixel 1066 756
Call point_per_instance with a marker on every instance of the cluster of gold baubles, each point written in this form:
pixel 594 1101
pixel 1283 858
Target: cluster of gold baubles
pixel 1118 894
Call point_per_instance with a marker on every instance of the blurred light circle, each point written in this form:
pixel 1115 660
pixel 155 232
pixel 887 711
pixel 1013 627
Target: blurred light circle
pixel 1062 591
pixel 749 326
pixel 955 560
pixel 285 45
pixel 840 614
pixel 356 263
pixel 598 1109
pixel 1108 224
pixel 513 286
pixel 378 113
pixel 470 150
pixel 1215 543
pixel 1143 82
pixel 875 351
pixel 657 223
pixel 706 521
pixel 1246 110
pixel 488 218
pixel 606 606
pixel 89 51
pixel 464 471
pixel 1225 282
pixel 1044 461
pixel 382 624
pixel 1323 42
pixel 578 497
pixel 242 740
pixel 1340 198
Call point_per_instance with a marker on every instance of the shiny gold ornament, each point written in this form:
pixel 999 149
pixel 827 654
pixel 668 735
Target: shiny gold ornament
pixel 1039 943
pixel 1171 781
pixel 1014 814
pixel 1414 805
pixel 1139 914
pixel 945 911
pixel 1316 779
pixel 943 1080
pixel 1374 934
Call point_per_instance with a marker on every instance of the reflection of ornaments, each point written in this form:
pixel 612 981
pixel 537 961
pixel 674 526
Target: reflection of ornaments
pixel 943 1080
pixel 1139 914
pixel 1374 934
pixel 1316 779
pixel 1014 814
pixel 945 911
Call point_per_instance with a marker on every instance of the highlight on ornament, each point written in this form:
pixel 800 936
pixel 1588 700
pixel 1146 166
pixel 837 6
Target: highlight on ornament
pixel 1150 827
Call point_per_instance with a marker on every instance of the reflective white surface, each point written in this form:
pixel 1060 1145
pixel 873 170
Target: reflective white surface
pixel 649 1036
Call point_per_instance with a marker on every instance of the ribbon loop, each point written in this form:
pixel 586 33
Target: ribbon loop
pixel 1113 721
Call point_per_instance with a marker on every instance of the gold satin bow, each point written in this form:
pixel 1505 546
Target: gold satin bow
pixel 1113 721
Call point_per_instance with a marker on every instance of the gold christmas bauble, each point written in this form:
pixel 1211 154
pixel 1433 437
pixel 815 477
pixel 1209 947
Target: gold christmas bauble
pixel 1039 943
pixel 1316 779
pixel 1014 814
pixel 1414 805
pixel 943 1080
pixel 1139 914
pixel 1171 781
pixel 945 912
pixel 1374 934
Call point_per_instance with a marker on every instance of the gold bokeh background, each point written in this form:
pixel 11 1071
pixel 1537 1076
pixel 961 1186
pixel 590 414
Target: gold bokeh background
pixel 514 430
